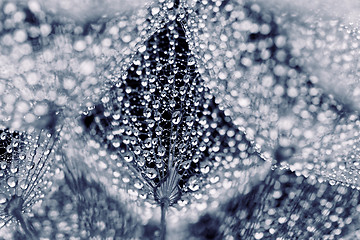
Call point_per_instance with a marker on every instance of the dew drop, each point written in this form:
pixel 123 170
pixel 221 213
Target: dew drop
pixel 14 169
pixel 151 173
pixel 147 113
pixel 128 157
pixel 189 121
pixel 12 181
pixel 202 147
pixel 159 165
pixel 141 161
pixel 161 151
pixel 205 169
pixel 3 165
pixel 116 143
pixel 2 198
pixel 155 10
pixel 191 61
pixel 194 141
pixel 15 143
pixel 176 117
pixel 9 149
pixel 23 184
pixel 138 184
pixel 30 165
pixel 137 150
pixel 3 136
pixel 158 131
pixel 147 143
pixel 193 186
pixel 156 104
pixel 142 48
pixel 214 179
pixel 173 102
pixel 157 116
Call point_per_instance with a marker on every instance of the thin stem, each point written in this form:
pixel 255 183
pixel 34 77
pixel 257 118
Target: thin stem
pixel 26 225
pixel 164 207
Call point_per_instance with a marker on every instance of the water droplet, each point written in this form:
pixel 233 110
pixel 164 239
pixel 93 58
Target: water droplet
pixel 147 113
pixel 30 165
pixel 155 141
pixel 214 179
pixel 172 103
pixel 15 143
pixel 116 143
pixel 157 116
pixel 193 186
pixel 140 161
pixel 12 181
pixel 205 169
pixel 332 182
pixel 137 150
pixel 147 143
pixel 156 104
pixel 142 48
pixel 2 198
pixel 194 141
pixel 159 165
pixel 161 151
pixel 3 165
pixel 191 61
pixel 176 117
pixel 14 169
pixel 9 149
pixel 158 130
pixel 137 61
pixel 3 136
pixel 189 121
pixel 138 184
pixel 258 235
pixel 155 10
pixel 202 147
pixel 128 157
pixel 23 184
pixel 151 173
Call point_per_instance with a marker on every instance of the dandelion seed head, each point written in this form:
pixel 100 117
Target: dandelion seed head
pixel 81 208
pixel 38 63
pixel 162 122
pixel 24 168
pixel 181 104
pixel 316 201
pixel 300 111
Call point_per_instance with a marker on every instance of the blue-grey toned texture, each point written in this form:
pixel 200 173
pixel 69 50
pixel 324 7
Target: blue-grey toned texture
pixel 178 119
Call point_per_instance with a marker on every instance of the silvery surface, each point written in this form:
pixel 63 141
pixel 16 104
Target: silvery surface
pixel 183 102
pixel 26 173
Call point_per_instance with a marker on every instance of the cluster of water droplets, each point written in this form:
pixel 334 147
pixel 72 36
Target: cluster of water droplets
pixel 190 99
pixel 81 209
pixel 50 62
pixel 265 77
pixel 25 173
pixel 284 206
pixel 163 130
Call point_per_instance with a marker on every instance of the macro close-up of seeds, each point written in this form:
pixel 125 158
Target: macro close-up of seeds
pixel 179 119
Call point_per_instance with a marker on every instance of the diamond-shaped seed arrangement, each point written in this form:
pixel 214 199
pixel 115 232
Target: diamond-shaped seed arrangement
pixel 81 208
pixel 263 83
pixel 296 118
pixel 25 164
pixel 283 206
pixel 49 62
pixel 162 125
